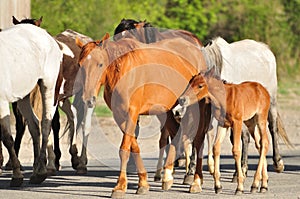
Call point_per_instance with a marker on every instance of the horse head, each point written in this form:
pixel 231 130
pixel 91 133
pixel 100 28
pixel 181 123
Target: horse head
pixel 93 61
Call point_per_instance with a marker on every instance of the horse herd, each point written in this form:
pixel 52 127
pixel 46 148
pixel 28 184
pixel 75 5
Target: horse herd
pixel 144 71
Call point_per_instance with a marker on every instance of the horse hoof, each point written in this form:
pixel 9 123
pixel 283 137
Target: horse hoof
pixel 75 162
pixel 118 194
pixel 58 167
pixel 157 178
pixel 254 189
pixel 167 185
pixel 51 172
pixel 142 190
pixel 81 171
pixel 234 179
pixel 195 189
pixel 211 170
pixel 188 179
pixel 218 190
pixel 239 192
pixel 279 166
pixel 263 189
pixel 16 182
pixel 37 179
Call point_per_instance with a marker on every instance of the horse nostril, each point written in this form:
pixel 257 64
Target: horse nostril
pixel 182 101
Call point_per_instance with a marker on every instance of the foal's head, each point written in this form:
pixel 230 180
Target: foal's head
pixel 36 22
pixel 201 86
pixel 196 90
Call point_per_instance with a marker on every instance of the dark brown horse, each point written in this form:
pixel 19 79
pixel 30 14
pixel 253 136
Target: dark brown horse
pixel 136 76
pixel 232 107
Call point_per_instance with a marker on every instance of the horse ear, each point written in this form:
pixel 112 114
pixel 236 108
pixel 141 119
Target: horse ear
pixel 105 39
pixel 15 21
pixel 38 22
pixel 78 42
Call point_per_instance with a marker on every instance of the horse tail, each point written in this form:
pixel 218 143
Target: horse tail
pixel 282 133
pixel 36 101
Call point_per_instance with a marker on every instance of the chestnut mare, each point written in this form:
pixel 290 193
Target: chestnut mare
pixel 135 76
pixel 232 107
pixel 20 45
pixel 144 32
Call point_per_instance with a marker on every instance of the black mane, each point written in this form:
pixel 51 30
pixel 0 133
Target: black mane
pixel 129 25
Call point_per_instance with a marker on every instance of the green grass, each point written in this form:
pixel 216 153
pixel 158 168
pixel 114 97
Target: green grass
pixel 102 111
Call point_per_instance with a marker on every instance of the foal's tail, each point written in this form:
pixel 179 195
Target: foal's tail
pixel 282 133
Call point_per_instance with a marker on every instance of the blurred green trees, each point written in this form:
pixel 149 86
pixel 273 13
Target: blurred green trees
pixel 274 22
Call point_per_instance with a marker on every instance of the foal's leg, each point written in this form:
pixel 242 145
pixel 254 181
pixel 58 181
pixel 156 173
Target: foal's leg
pixel 221 133
pixel 17 177
pixel 245 147
pixel 236 151
pixel 262 144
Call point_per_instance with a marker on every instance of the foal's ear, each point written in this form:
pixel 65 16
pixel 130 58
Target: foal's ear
pixel 15 21
pixel 39 21
pixel 78 42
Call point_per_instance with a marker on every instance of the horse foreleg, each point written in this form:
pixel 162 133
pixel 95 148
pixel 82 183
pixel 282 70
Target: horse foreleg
pixel 210 158
pixel 221 133
pixel 17 177
pixel 172 127
pixel 66 107
pixel 86 129
pixel 163 142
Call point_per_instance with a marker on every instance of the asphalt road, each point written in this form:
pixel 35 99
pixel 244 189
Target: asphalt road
pixel 103 167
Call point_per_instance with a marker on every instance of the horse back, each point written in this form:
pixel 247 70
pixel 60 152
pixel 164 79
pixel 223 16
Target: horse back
pixel 246 100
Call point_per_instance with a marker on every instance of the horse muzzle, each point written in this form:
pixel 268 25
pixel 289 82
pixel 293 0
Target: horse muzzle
pixel 91 103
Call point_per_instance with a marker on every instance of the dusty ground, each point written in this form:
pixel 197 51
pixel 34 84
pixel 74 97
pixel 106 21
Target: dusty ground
pixel 103 165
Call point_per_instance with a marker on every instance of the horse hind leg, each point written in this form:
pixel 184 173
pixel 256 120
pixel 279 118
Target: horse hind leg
pixel 56 127
pixel 17 177
pixel 20 129
pixel 40 173
pixel 272 119
pixel 33 126
pixel 245 147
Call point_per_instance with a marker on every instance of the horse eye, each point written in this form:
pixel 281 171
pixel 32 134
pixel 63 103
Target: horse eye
pixel 100 65
pixel 200 86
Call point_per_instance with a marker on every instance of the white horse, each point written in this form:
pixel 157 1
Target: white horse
pixel 29 55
